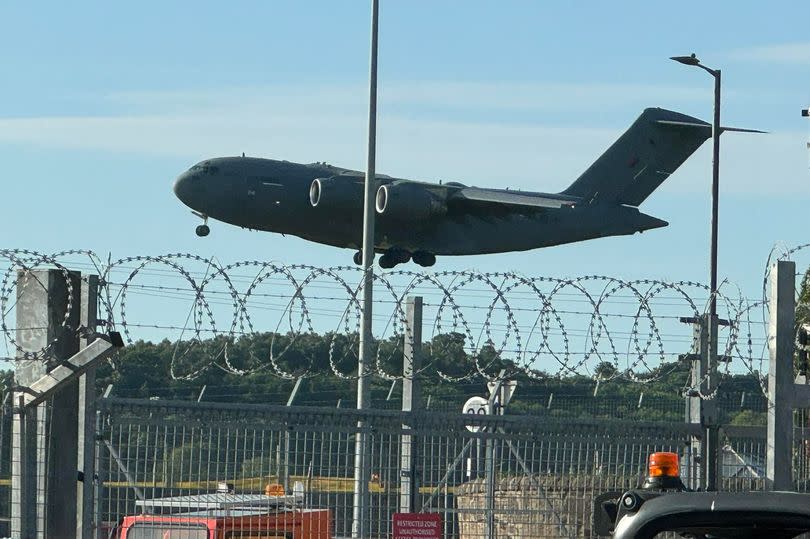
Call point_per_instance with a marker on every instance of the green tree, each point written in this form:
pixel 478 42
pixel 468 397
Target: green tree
pixel 605 370
pixel 6 382
pixel 803 302
pixel 802 319
pixel 749 417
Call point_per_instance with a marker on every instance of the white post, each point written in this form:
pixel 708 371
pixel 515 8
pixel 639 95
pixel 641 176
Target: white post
pixel 780 376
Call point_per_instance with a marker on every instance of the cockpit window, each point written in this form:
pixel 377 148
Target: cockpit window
pixel 205 168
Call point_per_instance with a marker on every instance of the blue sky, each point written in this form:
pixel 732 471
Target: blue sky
pixel 102 105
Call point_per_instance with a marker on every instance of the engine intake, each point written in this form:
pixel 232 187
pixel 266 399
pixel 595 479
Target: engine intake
pixel 408 202
pixel 335 193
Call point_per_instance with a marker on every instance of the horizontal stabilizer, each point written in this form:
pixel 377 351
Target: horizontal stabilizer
pixel 740 130
pixel 707 126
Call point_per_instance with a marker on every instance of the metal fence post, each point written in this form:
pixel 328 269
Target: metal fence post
pixel 489 459
pixel 99 493
pixel 709 413
pixel 284 475
pixel 780 376
pixel 88 318
pixel 47 318
pixel 411 402
pixel 705 454
pixel 699 364
pixel 98 476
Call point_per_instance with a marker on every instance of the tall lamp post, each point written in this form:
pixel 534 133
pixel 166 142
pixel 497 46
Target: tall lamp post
pixel 693 61
pixel 710 448
pixel 361 465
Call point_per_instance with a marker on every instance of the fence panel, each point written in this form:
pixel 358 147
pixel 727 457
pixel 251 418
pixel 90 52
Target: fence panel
pixel 512 476
pixel 5 468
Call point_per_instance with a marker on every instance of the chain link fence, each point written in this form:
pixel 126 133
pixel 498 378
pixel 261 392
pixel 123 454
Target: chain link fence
pixel 5 468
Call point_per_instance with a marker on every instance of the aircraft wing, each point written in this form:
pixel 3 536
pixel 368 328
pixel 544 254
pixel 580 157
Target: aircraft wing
pixel 510 198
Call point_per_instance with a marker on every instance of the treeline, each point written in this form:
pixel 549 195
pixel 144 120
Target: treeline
pixel 180 370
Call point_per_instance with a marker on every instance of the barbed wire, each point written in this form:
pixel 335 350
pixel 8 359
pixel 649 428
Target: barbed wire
pixel 619 329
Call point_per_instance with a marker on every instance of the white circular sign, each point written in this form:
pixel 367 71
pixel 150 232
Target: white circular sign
pixel 476 406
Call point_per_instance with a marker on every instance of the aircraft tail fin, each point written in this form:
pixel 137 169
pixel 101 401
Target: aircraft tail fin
pixel 657 143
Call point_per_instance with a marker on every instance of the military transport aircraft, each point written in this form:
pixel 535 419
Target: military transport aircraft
pixel 419 220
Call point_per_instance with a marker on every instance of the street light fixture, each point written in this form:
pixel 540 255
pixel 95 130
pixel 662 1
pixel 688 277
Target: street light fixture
pixel 690 60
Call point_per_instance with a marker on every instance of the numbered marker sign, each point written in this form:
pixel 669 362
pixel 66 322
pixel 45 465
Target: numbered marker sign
pixel 476 406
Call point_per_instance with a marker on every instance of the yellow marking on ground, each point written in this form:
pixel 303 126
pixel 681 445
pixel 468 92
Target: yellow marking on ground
pixel 331 485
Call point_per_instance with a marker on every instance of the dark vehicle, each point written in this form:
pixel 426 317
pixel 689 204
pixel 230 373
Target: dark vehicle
pixel 663 505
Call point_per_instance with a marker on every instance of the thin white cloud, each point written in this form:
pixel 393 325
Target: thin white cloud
pixel 317 124
pixel 785 53
pixel 538 96
pixel 512 96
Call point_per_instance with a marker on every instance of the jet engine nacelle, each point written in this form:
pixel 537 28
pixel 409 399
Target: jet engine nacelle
pixel 335 193
pixel 408 202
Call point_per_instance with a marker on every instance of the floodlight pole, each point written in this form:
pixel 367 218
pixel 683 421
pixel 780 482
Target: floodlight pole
pixel 711 432
pixel 361 465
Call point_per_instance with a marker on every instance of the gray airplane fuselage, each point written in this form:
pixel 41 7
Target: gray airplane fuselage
pixel 275 196
pixel 419 220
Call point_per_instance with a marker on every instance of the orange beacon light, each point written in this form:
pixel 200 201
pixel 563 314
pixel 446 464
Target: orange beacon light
pixel 663 464
pixel 663 472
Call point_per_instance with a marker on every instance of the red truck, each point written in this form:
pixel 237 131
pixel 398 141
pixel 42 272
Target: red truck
pixel 225 516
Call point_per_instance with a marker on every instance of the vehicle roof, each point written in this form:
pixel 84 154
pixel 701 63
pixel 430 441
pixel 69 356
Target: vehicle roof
pixel 726 514
pixel 223 518
pixel 218 500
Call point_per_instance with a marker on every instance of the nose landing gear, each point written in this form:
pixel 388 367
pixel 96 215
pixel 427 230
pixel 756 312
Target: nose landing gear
pixel 202 230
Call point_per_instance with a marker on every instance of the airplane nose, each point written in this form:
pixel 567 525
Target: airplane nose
pixel 183 189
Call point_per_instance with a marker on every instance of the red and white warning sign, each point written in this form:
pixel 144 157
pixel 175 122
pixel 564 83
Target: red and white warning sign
pixel 422 525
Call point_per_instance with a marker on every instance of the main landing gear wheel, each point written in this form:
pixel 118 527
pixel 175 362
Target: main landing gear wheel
pixel 202 230
pixel 392 257
pixel 358 258
pixel 424 259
